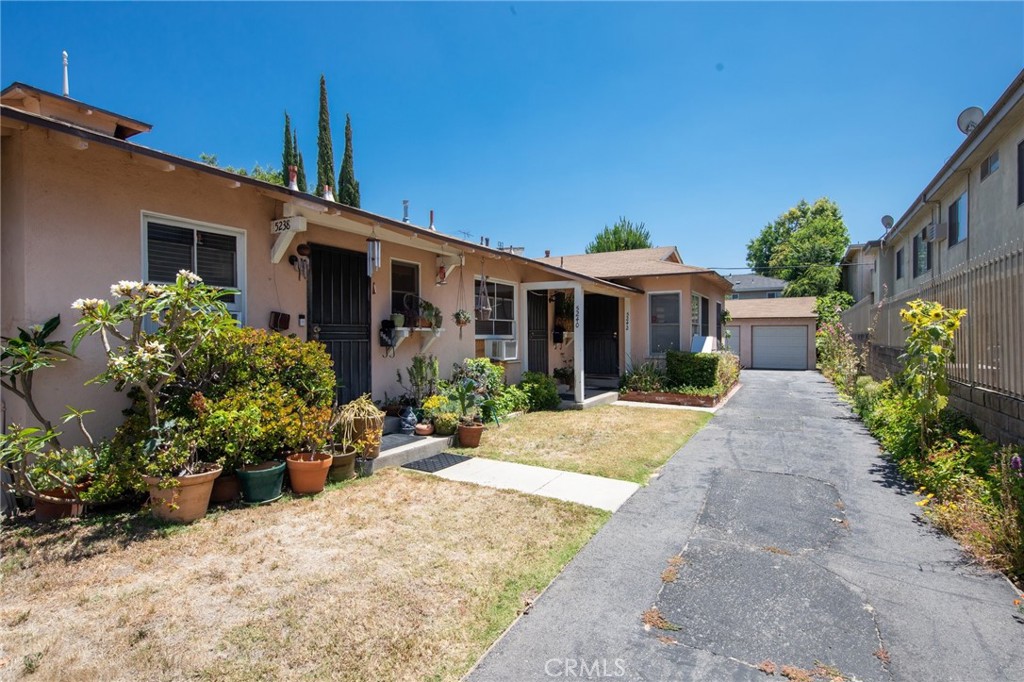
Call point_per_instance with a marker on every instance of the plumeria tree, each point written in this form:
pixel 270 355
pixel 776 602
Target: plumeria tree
pixel 149 331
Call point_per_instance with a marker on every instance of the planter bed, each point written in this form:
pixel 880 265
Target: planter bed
pixel 667 398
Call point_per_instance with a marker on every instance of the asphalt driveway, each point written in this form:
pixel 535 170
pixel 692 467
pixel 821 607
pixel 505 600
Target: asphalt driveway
pixel 779 534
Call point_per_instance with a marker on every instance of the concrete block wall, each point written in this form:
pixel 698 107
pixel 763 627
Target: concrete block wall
pixel 998 417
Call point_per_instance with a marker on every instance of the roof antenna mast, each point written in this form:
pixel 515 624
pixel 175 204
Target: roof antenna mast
pixel 66 91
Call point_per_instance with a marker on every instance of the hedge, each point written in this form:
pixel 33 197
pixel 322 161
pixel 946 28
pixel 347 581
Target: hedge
pixel 699 370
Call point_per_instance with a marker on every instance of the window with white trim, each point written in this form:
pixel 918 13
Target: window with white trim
pixel 990 165
pixel 699 315
pixel 502 321
pixel 215 254
pixel 958 220
pixel 664 331
pixel 405 282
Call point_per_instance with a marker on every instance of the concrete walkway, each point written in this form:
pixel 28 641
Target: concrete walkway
pixel 593 491
pixel 787 538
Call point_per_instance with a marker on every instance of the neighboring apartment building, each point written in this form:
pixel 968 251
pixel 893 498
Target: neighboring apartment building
pixel 961 243
pixel 859 270
pixel 749 285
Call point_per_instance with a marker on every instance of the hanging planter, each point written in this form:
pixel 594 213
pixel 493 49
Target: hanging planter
pixel 483 303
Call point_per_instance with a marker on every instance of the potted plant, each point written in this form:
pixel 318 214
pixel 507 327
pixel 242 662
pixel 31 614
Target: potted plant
pixel 565 375
pixel 179 483
pixel 470 396
pixel 342 448
pixel 446 423
pixel 367 425
pixel 307 469
pixel 227 432
pixel 261 483
pixel 398 319
pixel 59 476
pixel 461 317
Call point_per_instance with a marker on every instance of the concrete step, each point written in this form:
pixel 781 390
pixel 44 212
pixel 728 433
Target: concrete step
pixel 421 448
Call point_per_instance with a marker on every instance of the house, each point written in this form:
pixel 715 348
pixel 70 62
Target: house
pixel 84 205
pixel 673 304
pixel 750 285
pixel 773 334
pixel 961 243
pixel 859 270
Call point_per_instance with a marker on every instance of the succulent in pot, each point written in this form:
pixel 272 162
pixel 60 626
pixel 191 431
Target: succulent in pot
pixel 365 421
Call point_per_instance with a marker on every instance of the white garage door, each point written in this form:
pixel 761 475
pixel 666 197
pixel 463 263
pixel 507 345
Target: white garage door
pixel 779 347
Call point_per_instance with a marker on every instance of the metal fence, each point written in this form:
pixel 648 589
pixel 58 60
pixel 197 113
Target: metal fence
pixel 990 342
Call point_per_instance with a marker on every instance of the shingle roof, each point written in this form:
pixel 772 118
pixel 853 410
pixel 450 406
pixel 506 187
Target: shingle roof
pixel 752 282
pixel 632 263
pixel 762 308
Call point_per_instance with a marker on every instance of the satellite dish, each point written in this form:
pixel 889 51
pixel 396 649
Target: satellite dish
pixel 969 119
pixel 887 222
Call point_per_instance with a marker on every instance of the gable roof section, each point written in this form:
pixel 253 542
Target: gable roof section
pixel 73 111
pixel 662 260
pixel 284 194
pixel 770 308
pixel 753 282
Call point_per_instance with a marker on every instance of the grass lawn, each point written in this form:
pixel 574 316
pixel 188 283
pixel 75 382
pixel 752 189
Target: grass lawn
pixel 400 576
pixel 627 443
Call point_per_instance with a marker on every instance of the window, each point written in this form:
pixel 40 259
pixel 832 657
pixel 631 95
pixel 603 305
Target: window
pixel 718 321
pixel 699 315
pixel 733 297
pixel 664 322
pixel 922 253
pixel 899 264
pixel 1020 173
pixel 990 165
pixel 958 220
pixel 502 323
pixel 405 281
pixel 215 254
pixel 772 294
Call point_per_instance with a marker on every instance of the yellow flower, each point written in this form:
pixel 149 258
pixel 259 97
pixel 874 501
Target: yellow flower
pixel 921 503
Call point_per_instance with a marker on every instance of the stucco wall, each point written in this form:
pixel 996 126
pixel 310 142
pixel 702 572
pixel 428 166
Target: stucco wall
pixel 72 225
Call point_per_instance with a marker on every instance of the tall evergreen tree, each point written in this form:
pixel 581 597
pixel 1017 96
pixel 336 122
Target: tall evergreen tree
pixel 348 186
pixel 288 154
pixel 324 146
pixel 303 187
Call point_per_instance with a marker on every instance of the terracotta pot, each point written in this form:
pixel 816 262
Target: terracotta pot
pixel 261 483
pixel 424 429
pixel 469 436
pixel 343 466
pixel 185 502
pixel 308 472
pixel 50 511
pixel 225 488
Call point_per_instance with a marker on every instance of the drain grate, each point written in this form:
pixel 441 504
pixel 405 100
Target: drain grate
pixel 436 463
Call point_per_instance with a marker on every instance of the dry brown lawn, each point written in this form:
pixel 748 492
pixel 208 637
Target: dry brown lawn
pixel 401 576
pixel 616 442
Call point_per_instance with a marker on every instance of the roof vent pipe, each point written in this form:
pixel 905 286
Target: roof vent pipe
pixel 293 178
pixel 547 253
pixel 328 194
pixel 432 228
pixel 67 92
pixel 405 210
pixel 487 241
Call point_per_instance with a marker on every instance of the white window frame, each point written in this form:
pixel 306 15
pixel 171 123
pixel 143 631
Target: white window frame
pixel 239 306
pixel 514 336
pixel 699 322
pixel 962 228
pixel 650 337
pixel 990 165
pixel 391 282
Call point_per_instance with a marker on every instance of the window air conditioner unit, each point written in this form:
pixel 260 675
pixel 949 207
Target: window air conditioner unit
pixel 938 232
pixel 501 350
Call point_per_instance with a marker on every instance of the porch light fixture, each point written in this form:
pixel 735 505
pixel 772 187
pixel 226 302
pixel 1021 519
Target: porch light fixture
pixel 372 256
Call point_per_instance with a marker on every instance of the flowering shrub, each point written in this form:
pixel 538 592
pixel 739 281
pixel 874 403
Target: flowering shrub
pixel 837 355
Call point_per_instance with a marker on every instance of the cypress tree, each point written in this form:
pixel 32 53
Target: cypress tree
pixel 288 155
pixel 303 187
pixel 324 146
pixel 348 187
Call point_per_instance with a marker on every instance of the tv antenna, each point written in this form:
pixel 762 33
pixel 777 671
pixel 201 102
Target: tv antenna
pixel 969 119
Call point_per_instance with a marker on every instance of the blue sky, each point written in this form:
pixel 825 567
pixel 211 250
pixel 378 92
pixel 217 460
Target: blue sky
pixel 536 124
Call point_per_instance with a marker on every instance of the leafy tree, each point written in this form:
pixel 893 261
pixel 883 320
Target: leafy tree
pixel 348 186
pixel 288 157
pixel 303 187
pixel 802 246
pixel 258 172
pixel 622 236
pixel 324 146
pixel 830 307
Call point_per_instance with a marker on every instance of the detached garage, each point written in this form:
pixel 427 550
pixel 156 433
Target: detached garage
pixel 773 333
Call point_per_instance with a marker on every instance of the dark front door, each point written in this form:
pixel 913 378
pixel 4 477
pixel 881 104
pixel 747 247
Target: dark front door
pixel 537 330
pixel 600 334
pixel 339 315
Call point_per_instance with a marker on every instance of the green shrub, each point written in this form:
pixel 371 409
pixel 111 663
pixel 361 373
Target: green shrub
pixel 483 372
pixel 866 393
pixel 645 377
pixel 511 399
pixel 691 369
pixel 542 391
